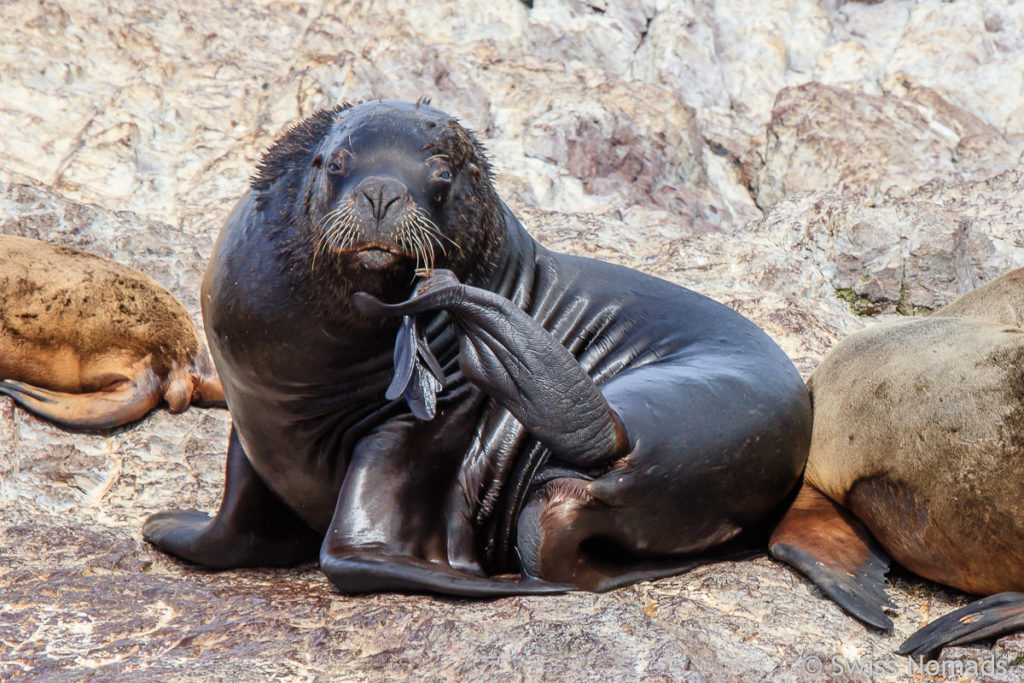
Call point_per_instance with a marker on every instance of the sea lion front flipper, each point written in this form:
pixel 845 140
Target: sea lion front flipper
pixel 512 358
pixel 989 617
pixel 354 572
pixel 253 528
pixel 834 550
pixel 95 410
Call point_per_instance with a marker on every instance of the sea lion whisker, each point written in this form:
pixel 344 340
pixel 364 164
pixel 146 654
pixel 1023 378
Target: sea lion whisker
pixel 428 253
pixel 405 238
pixel 417 245
pixel 330 237
pixel 319 245
pixel 430 235
pixel 402 236
pixel 312 267
pixel 431 227
pixel 429 242
pixel 337 211
pixel 333 215
pixel 347 225
pixel 329 232
pixel 325 240
pixel 333 230
pixel 346 235
pixel 433 235
pixel 423 240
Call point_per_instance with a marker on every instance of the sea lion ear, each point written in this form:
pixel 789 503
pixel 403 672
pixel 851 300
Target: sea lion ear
pixel 474 171
pixel 318 160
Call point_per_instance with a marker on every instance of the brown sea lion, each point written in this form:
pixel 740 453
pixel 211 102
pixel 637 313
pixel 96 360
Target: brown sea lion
pixel 918 452
pixel 569 420
pixel 91 344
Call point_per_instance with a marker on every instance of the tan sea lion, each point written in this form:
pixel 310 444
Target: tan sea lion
pixel 92 344
pixel 918 451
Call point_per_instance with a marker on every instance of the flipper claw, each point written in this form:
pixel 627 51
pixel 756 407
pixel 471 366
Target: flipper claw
pixel 418 375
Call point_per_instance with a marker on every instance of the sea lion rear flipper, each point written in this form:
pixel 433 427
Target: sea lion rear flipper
pixel 418 376
pixel 834 550
pixel 95 410
pixel 211 392
pixel 404 358
pixel 986 618
pixel 512 358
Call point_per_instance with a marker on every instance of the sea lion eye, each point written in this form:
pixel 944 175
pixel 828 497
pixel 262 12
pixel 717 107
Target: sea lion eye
pixel 439 170
pixel 334 167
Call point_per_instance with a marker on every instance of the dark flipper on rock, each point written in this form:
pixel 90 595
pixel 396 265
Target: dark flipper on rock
pixel 253 528
pixel 651 570
pixel 834 550
pixel 354 572
pixel 989 617
pixel 128 402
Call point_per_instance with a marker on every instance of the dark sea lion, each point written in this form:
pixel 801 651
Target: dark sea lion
pixel 91 344
pixel 597 426
pixel 918 452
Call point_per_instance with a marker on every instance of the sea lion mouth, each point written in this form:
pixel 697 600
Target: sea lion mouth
pixel 377 256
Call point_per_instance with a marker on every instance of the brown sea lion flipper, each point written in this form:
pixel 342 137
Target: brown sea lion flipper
pixel 512 358
pixel 253 528
pixel 210 390
pixel 989 617
pixel 126 403
pixel 834 550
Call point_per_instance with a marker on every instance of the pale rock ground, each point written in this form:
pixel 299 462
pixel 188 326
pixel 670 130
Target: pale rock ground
pixel 815 165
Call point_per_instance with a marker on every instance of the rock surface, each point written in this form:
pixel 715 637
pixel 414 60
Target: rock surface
pixel 815 165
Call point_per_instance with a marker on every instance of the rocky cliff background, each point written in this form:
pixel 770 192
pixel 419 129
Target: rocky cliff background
pixel 817 166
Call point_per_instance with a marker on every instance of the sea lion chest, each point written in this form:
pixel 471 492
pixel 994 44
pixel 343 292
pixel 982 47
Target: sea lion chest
pixel 305 388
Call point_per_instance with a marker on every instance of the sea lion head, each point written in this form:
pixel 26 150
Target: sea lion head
pixel 388 188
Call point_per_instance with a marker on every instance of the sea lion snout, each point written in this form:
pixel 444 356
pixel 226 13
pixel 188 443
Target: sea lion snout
pixel 379 222
pixel 383 217
pixel 382 212
pixel 376 195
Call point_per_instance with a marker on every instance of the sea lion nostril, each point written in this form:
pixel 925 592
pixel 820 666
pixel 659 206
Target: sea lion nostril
pixel 388 202
pixel 380 194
